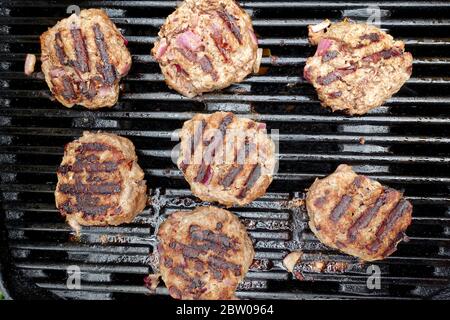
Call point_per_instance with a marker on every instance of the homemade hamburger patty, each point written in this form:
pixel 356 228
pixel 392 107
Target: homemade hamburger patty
pixel 204 253
pixel 356 66
pixel 357 215
pixel 83 59
pixel 226 159
pixel 99 181
pixel 206 45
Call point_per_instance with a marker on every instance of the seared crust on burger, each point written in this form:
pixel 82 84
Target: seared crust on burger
pixel 206 45
pixel 99 181
pixel 357 215
pixel 226 159
pixel 83 59
pixel 204 253
pixel 356 67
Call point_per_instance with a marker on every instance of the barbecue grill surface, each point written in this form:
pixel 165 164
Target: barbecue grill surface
pixel 406 146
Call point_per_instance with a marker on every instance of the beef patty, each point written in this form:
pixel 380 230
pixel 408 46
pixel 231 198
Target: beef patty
pixel 356 66
pixel 99 181
pixel 204 253
pixel 206 45
pixel 226 159
pixel 357 215
pixel 83 58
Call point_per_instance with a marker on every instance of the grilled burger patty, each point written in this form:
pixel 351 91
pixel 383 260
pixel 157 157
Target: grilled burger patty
pixel 226 159
pixel 83 59
pixel 99 181
pixel 356 66
pixel 204 253
pixel 357 215
pixel 206 45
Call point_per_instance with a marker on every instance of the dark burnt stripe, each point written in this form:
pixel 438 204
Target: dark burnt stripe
pixel 91 158
pixel 81 188
pixel 400 209
pixel 384 54
pixel 344 204
pixel 335 75
pixel 207 235
pixel 329 55
pixel 224 124
pixel 198 135
pixel 230 22
pixel 367 216
pixel 388 224
pixel 82 59
pixel 341 208
pixel 393 245
pixel 207 67
pixel 91 210
pixel 204 173
pixel 231 175
pixel 68 90
pixel 373 37
pixel 222 265
pixel 106 68
pixel 92 146
pixel 221 45
pixel 59 49
pixel 80 166
pixel 251 180
pixel 179 271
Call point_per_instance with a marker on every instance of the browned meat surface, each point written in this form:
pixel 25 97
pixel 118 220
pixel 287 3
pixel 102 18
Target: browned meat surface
pixel 206 45
pixel 83 59
pixel 204 253
pixel 356 66
pixel 99 181
pixel 357 215
pixel 226 159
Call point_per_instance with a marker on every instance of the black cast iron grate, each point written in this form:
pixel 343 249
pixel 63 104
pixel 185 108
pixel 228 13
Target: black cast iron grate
pixel 406 145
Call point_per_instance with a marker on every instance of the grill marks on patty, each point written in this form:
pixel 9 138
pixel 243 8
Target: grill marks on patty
pixel 380 206
pixel 82 62
pixel 105 67
pixel 89 189
pixel 205 173
pixel 230 22
pixel 70 85
pixel 338 74
pixel 357 215
pixel 197 55
pixel 207 250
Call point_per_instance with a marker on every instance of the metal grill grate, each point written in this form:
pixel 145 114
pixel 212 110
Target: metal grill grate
pixel 407 146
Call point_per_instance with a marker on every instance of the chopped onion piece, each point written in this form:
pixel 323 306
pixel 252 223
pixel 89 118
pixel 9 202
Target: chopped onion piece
pixel 30 61
pixel 257 63
pixel 320 26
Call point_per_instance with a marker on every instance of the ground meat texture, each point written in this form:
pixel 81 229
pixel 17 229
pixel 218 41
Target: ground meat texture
pixel 357 215
pixel 356 67
pixel 204 253
pixel 83 59
pixel 99 181
pixel 226 159
pixel 206 45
